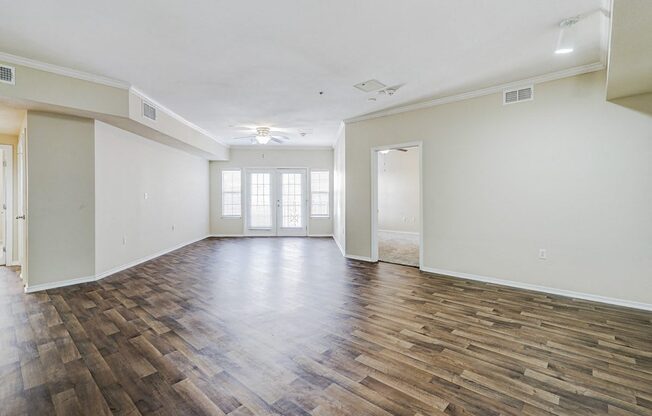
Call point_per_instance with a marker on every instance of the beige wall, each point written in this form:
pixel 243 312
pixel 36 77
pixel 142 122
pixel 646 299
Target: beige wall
pixel 398 191
pixel 176 209
pixel 252 158
pixel 567 172
pixel 61 203
pixel 339 187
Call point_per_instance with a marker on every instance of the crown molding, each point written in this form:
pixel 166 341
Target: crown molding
pixel 570 72
pixel 279 147
pixel 60 70
pixel 175 116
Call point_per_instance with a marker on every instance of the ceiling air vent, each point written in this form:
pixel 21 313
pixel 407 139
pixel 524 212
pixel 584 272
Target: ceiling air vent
pixel 369 86
pixel 149 111
pixel 518 94
pixel 7 75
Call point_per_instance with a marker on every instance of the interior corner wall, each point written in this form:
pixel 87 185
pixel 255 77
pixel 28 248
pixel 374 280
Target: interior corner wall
pixel 339 190
pixel 269 158
pixel 60 198
pixel 130 227
pixel 398 191
pixel 567 172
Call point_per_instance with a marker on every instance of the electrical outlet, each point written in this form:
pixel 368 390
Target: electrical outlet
pixel 172 227
pixel 543 254
pixel 124 240
pixel 146 195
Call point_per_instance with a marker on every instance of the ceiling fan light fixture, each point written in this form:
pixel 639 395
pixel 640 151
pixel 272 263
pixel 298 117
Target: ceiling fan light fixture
pixel 263 139
pixel 566 39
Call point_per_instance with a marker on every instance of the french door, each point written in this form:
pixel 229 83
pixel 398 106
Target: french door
pixel 276 202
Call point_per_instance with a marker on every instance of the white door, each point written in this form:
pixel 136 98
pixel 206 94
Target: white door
pixel 276 202
pixel 260 210
pixel 291 202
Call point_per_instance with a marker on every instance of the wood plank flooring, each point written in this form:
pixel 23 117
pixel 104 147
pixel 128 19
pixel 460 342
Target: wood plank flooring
pixel 287 326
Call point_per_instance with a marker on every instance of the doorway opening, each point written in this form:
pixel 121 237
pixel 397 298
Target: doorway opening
pixel 12 192
pixel 276 202
pixel 396 200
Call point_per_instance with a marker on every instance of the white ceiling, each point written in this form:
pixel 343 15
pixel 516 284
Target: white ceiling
pixel 10 120
pixel 224 63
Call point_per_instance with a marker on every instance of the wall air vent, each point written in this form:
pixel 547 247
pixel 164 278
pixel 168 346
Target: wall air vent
pixel 7 74
pixel 517 95
pixel 149 111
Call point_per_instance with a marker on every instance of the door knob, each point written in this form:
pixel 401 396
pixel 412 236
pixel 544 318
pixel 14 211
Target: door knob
pixel 20 217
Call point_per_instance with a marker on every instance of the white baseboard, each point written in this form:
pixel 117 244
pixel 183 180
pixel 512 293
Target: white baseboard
pixel 102 275
pixel 361 258
pixel 544 289
pixel 60 283
pixel 399 232
pixel 227 235
pixel 320 235
pixel 339 246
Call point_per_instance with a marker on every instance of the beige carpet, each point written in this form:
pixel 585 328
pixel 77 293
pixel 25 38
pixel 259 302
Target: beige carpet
pixel 398 248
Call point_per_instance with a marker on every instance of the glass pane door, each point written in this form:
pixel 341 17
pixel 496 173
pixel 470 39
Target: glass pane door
pixel 260 203
pixel 291 209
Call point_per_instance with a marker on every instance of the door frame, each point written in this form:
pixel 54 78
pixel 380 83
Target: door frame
pixel 374 196
pixel 8 188
pixel 274 170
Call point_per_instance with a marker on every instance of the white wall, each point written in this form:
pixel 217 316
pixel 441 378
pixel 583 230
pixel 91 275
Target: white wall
pixel 398 191
pixel 568 172
pixel 339 190
pixel 251 158
pixel 126 167
pixel 60 198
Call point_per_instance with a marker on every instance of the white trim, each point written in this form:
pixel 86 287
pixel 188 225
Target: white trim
pixel 227 235
pixel 99 276
pixel 570 72
pixel 8 188
pixel 544 289
pixel 374 196
pixel 177 117
pixel 340 129
pixel 339 246
pixel 60 70
pixel 398 232
pixel 320 235
pixel 60 283
pixel 278 147
pixel 361 258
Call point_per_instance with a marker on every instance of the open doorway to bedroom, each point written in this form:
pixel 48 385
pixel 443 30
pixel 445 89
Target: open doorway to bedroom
pixel 397 231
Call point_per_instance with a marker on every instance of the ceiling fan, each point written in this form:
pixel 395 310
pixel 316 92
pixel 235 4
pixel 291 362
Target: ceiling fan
pixel 263 135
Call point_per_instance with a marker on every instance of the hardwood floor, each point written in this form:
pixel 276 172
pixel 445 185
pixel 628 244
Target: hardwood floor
pixel 287 326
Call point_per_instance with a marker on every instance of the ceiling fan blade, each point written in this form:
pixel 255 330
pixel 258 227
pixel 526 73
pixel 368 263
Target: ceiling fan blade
pixel 244 137
pixel 275 140
pixel 280 137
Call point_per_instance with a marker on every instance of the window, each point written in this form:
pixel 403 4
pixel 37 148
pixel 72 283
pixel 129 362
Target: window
pixel 319 193
pixel 260 200
pixel 231 193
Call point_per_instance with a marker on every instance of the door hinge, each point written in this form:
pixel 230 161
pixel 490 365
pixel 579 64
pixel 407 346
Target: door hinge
pixel 4 163
pixel 4 249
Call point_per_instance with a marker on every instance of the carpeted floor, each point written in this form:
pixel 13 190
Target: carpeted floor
pixel 398 248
